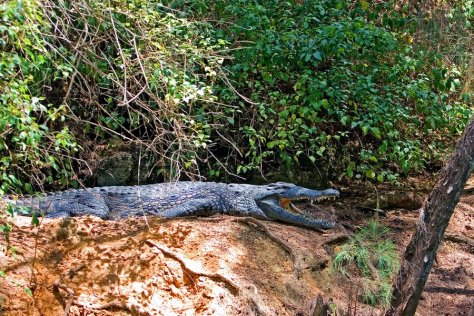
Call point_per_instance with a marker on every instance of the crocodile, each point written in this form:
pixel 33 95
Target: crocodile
pixel 178 199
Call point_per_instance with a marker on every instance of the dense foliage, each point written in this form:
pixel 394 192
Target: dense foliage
pixel 229 87
pixel 34 142
pixel 338 83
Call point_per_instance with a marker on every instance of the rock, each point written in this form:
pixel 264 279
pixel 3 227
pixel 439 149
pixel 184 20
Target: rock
pixel 115 170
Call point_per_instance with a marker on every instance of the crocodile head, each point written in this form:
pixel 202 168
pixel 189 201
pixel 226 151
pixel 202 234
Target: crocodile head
pixel 275 200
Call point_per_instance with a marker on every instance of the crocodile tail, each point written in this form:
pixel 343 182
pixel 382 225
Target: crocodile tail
pixel 28 205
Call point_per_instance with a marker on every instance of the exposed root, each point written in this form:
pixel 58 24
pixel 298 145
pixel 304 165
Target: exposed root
pixel 216 277
pixel 329 244
pixel 337 239
pixel 69 298
pixel 296 258
pixel 73 271
pixel 460 239
pixel 448 290
pixel 109 308
pixel 254 299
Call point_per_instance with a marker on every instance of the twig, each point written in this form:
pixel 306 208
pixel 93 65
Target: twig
pixel 216 277
pixel 460 239
pixel 124 60
pixel 296 259
pixel 33 278
pixel 126 102
pixel 229 84
pixel 70 295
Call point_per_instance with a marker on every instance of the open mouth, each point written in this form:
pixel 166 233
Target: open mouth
pixel 281 207
pixel 288 205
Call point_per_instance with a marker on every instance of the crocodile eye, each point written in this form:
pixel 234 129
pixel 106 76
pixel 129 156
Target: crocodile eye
pixel 280 186
pixel 236 189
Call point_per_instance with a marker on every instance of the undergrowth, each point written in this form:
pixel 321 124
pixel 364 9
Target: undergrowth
pixel 347 87
pixel 35 144
pixel 369 261
pixel 218 88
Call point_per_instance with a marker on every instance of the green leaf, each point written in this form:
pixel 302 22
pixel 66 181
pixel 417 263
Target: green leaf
pixel 318 55
pixel 364 5
pixel 28 291
pixel 350 169
pixel 325 103
pixel 380 178
pixel 370 174
pixel 34 220
pixel 376 132
pixel 10 209
pixel 365 129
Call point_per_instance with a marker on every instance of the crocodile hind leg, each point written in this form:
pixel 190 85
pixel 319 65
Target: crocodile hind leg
pixel 75 204
pixel 77 209
pixel 195 207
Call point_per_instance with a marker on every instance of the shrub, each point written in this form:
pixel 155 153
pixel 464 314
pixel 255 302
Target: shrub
pixel 335 83
pixel 35 144
pixel 372 261
pixel 224 87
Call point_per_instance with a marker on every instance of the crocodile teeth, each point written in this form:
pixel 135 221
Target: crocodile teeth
pixel 297 210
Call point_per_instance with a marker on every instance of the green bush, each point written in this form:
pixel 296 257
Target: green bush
pixel 335 83
pixel 224 87
pixel 130 70
pixel 371 258
pixel 35 144
pixel 140 72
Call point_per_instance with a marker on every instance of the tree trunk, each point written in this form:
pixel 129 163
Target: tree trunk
pixel 433 220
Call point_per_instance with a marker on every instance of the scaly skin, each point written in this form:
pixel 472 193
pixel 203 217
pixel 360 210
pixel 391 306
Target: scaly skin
pixel 179 199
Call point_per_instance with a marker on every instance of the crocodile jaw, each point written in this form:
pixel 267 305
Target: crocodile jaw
pixel 280 206
pixel 272 209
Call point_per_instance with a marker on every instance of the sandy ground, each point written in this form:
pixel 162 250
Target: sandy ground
pixel 210 266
